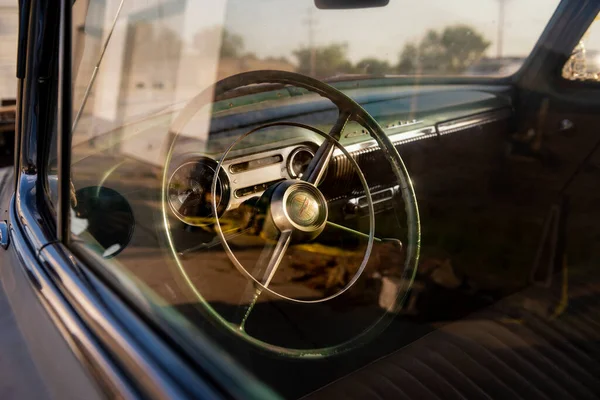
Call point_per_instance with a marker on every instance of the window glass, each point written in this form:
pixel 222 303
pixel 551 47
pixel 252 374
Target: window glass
pixel 209 199
pixel 9 18
pixel 584 62
pixel 8 84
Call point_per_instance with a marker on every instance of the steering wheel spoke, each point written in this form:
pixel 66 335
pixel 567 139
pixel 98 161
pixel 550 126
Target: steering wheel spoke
pixel 274 259
pixel 351 231
pixel 394 241
pixel 270 256
pixel 315 170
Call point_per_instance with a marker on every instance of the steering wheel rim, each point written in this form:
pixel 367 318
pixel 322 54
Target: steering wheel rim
pixel 353 112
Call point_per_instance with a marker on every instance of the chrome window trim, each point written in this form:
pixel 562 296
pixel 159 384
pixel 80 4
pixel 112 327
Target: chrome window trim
pixel 89 326
pixel 77 336
pixel 138 363
pixel 64 111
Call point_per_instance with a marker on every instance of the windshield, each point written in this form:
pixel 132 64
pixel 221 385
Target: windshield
pixel 272 171
pixel 164 52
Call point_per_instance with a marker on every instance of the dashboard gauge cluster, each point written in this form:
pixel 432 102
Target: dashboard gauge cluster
pixel 298 161
pixel 250 175
pixel 189 191
pixel 240 178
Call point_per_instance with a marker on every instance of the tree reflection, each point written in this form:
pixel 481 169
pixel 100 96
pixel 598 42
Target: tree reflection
pixel 449 51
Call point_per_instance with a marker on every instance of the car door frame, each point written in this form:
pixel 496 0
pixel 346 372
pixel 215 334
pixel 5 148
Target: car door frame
pixel 114 351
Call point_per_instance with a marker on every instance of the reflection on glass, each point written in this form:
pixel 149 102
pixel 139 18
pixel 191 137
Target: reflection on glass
pixel 584 62
pixel 153 131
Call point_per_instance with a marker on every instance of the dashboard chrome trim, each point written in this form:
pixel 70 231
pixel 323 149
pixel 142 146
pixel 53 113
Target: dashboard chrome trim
pixel 391 125
pixel 261 162
pixel 379 196
pixel 471 121
pixel 432 130
pixel 257 176
pixel 357 206
pixel 397 139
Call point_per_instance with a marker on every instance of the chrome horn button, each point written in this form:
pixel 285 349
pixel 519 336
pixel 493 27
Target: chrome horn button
pixel 303 207
pixel 298 206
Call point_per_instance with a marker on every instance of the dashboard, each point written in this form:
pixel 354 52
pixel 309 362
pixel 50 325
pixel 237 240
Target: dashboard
pixel 246 177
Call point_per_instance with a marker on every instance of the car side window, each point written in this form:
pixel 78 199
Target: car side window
pixel 584 62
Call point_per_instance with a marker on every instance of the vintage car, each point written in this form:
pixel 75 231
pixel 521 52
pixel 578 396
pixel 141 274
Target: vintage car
pixel 303 199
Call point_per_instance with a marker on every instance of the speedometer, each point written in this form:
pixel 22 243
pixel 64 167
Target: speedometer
pixel 298 161
pixel 190 195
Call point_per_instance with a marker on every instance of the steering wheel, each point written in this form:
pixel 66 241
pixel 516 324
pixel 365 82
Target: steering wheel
pixel 295 210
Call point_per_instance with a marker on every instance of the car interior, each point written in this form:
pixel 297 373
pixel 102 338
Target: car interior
pixel 355 235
